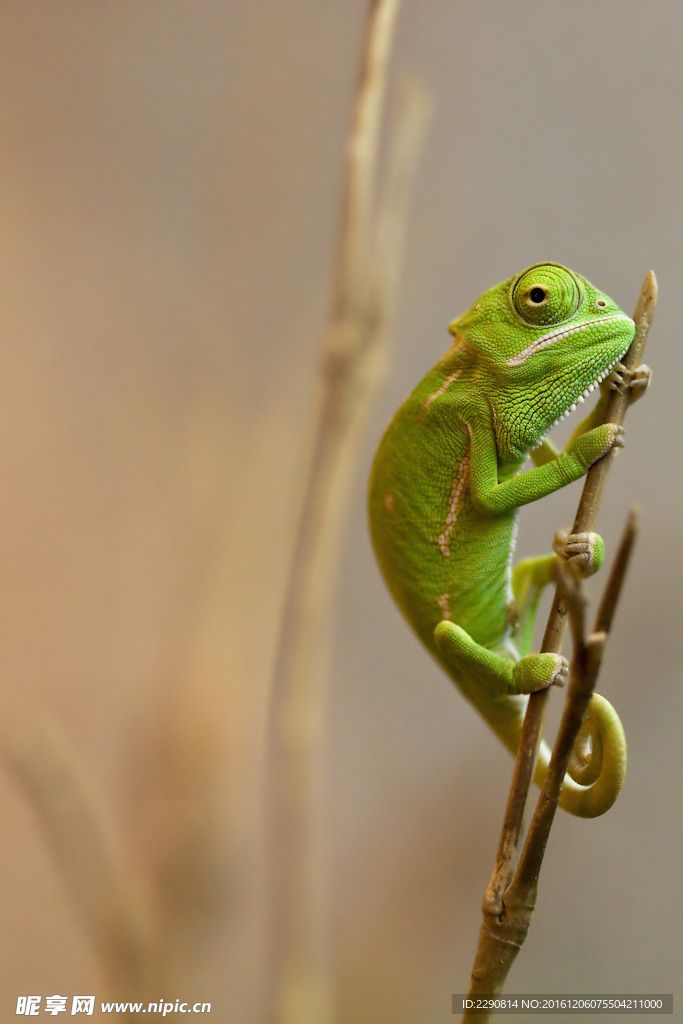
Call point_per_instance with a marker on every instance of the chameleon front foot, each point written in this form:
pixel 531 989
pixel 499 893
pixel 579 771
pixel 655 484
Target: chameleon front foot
pixel 636 382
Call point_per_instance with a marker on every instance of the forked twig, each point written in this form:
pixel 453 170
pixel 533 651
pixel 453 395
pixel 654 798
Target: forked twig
pixel 585 520
pixel 507 907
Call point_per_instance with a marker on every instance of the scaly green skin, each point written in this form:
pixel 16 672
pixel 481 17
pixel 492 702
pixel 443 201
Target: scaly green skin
pixel 445 492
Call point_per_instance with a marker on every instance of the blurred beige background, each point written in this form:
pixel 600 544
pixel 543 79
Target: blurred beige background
pixel 169 177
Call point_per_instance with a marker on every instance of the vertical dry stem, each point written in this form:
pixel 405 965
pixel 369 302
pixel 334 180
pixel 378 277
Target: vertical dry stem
pixel 107 895
pixel 364 284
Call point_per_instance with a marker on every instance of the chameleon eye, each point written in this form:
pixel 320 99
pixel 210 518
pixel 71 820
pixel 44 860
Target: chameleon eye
pixel 546 294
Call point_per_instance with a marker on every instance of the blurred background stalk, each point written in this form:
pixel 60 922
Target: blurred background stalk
pixel 353 355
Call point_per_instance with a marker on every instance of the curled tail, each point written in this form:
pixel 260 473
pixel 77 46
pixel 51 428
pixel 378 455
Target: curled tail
pixel 598 763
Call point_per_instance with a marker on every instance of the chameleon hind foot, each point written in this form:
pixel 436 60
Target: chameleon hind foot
pixel 496 671
pixel 539 671
pixel 584 550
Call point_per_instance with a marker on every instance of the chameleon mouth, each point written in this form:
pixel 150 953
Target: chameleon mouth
pixel 559 335
pixel 579 400
pixel 584 394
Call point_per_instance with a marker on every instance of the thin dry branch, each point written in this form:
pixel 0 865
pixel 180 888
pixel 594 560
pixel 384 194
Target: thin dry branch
pixel 510 930
pixel 105 891
pixel 586 664
pixel 507 909
pixel 367 266
pixel 586 515
pixel 555 628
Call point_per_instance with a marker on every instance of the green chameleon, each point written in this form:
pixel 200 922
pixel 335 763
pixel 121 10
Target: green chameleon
pixel 445 493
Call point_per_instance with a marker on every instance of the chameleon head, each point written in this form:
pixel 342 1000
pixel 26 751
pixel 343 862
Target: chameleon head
pixel 542 341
